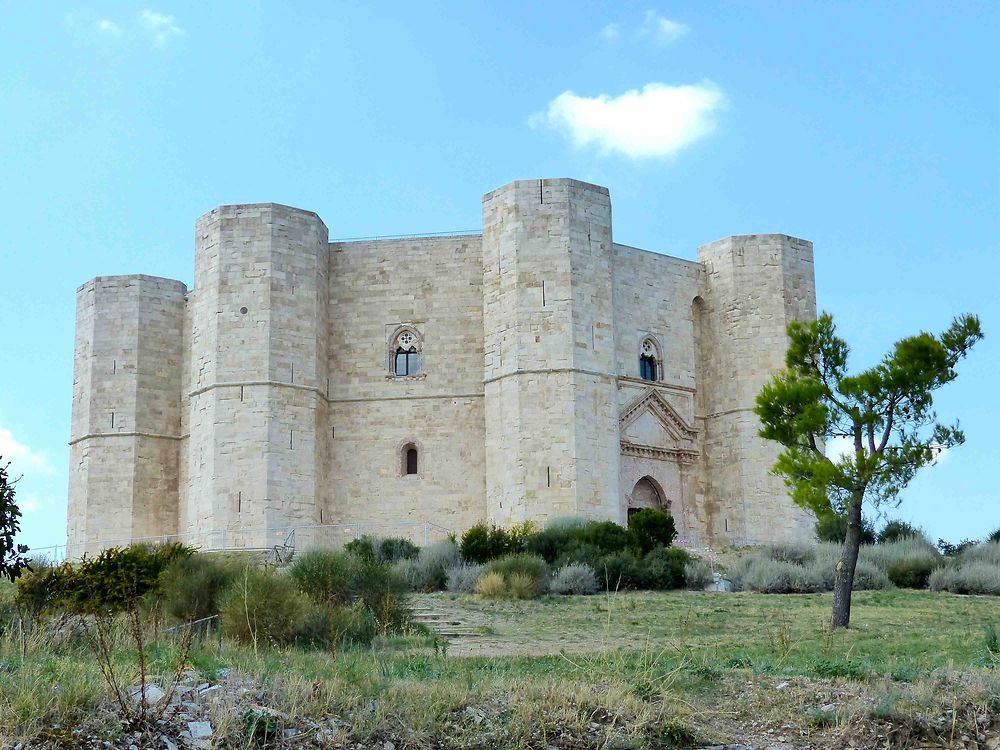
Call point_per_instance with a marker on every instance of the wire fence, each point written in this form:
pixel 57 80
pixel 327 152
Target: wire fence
pixel 298 537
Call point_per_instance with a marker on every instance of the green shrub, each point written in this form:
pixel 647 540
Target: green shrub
pixel 363 546
pixel 767 576
pixel 115 580
pixel 579 552
pixel 793 552
pixel 574 578
pixel 618 571
pixel 394 548
pixel 40 590
pixel 491 586
pixel 8 610
pixel 893 531
pixel 524 566
pixel 652 528
pixel 987 552
pixel 263 606
pixel 994 537
pixel 483 543
pixel 192 586
pixel 607 536
pixel 552 542
pixel 461 579
pixel 911 573
pixel 832 527
pixel 697 574
pixel 523 586
pixel 868 577
pixel 334 578
pixel 663 569
pixel 967 578
pixel 428 572
pixel 954 550
pixel 330 576
pixel 330 625
pixel 905 548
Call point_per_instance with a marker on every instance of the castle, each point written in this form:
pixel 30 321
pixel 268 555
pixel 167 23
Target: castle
pixel 533 371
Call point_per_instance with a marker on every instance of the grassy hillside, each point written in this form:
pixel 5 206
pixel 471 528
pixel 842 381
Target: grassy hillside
pixel 633 670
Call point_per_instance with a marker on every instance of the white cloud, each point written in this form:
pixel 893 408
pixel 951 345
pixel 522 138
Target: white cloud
pixel 161 28
pixel 21 457
pixel 29 503
pixel 611 33
pixel 661 30
pixel 656 121
pixel 110 28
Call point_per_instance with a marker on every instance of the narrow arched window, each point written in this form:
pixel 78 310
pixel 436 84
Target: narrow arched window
pixel 411 460
pixel 405 354
pixel 649 361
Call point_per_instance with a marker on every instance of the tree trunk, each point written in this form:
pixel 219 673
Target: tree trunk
pixel 843 584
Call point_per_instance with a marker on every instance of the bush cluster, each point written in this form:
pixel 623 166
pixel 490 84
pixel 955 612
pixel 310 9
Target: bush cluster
pixel 697 574
pixel 975 569
pixel 483 543
pixel 801 568
pixel 325 598
pixel 894 531
pixel 388 550
pixel 574 578
pixel 428 571
pixel 115 580
pixel 832 527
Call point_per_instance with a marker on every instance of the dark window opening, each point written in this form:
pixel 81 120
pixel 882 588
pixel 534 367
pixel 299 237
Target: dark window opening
pixel 407 363
pixel 647 367
pixel 411 460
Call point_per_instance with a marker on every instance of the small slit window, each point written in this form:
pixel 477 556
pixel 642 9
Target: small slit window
pixel 405 351
pixel 409 460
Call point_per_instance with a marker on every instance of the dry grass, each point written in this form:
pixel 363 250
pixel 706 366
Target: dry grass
pixel 620 670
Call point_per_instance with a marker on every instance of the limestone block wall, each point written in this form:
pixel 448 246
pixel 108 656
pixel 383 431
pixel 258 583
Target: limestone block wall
pixel 434 286
pixel 257 374
pixel 653 298
pixel 125 433
pixel 551 441
pixel 754 286
pixel 266 397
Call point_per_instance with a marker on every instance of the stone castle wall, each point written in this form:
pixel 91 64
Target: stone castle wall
pixel 265 398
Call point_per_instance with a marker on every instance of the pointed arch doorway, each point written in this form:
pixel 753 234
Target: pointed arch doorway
pixel 647 493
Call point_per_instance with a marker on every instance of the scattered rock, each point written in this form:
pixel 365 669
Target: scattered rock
pixel 781 685
pixel 200 730
pixel 154 694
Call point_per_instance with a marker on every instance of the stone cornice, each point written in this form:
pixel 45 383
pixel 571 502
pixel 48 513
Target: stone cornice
pixel 680 455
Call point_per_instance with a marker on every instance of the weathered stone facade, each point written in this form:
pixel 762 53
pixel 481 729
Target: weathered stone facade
pixel 441 379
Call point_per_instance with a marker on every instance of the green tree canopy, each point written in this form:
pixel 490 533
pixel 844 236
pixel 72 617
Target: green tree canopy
pixel 12 560
pixel 885 412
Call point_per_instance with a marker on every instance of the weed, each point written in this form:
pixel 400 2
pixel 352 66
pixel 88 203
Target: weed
pixel 673 734
pixel 847 669
pixel 821 717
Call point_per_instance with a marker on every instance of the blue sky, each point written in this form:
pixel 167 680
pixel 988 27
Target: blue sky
pixel 870 129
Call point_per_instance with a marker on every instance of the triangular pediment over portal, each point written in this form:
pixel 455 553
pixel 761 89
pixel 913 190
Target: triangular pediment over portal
pixel 651 427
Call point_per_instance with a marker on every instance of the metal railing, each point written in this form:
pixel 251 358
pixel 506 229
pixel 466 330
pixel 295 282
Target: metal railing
pixel 299 537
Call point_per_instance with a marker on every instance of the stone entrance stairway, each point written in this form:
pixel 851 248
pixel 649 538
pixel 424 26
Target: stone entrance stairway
pixel 428 612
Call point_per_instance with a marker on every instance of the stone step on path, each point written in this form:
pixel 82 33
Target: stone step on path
pixel 442 624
